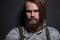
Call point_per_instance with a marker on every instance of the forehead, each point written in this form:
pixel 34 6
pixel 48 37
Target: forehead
pixel 31 6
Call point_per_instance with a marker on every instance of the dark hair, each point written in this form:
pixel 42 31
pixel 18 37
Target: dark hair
pixel 41 5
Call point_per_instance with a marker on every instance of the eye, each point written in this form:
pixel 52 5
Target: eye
pixel 36 10
pixel 28 11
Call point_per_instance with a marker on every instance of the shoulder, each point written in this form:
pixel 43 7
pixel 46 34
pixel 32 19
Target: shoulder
pixel 14 31
pixel 54 33
pixel 13 34
pixel 53 30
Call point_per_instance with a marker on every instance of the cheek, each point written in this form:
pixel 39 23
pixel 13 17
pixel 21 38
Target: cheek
pixel 37 16
pixel 28 15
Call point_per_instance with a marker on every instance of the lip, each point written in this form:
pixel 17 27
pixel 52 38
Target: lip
pixel 32 19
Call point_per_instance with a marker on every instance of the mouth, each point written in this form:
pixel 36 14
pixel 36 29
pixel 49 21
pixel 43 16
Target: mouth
pixel 32 21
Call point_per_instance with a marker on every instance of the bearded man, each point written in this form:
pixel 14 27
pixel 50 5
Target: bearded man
pixel 33 24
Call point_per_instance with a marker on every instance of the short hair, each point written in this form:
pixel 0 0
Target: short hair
pixel 41 5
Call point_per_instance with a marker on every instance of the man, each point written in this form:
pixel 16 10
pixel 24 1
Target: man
pixel 33 24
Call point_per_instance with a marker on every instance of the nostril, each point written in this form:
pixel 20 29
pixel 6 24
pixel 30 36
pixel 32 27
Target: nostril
pixel 32 16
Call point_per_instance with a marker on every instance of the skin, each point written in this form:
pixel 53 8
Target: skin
pixel 33 15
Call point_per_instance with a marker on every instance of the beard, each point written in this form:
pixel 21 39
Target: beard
pixel 32 24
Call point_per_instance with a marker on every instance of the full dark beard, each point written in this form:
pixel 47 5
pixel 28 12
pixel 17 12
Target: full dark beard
pixel 32 26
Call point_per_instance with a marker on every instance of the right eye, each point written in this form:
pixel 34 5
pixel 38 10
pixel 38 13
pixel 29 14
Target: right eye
pixel 29 11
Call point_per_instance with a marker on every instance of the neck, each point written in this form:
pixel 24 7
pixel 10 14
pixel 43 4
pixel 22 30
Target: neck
pixel 39 28
pixel 34 29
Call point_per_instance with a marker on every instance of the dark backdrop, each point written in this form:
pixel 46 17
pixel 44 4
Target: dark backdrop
pixel 12 9
pixel 53 13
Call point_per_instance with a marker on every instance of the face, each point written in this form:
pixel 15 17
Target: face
pixel 32 14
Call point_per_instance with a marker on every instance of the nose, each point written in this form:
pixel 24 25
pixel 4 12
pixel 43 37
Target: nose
pixel 32 14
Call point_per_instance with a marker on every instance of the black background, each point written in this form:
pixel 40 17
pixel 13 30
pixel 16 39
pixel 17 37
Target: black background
pixel 10 11
pixel 53 13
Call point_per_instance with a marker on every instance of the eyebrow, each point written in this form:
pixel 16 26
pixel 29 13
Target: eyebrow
pixel 32 10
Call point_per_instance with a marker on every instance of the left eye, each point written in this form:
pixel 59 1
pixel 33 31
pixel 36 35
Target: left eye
pixel 36 10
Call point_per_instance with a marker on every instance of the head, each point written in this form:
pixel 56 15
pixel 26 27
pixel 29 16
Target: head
pixel 34 14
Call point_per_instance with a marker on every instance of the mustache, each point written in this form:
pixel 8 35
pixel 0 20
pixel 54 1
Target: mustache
pixel 32 19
